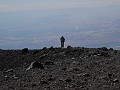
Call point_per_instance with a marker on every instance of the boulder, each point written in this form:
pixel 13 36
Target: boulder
pixel 35 52
pixel 35 65
pixel 104 48
pixel 111 49
pixel 25 50
pixel 69 47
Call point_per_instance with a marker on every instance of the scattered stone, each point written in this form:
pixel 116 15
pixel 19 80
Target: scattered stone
pixel 50 75
pixel 111 49
pixel 49 63
pixel 86 75
pixel 44 48
pixel 110 76
pixel 68 80
pixel 6 77
pixel 33 85
pixel 104 48
pixel 64 69
pixel 103 54
pixel 44 82
pixel 51 48
pixel 50 79
pixel 35 52
pixel 25 50
pixel 115 80
pixel 69 47
pixel 76 69
pixel 73 58
pixel 35 65
pixel 9 70
pixel 15 77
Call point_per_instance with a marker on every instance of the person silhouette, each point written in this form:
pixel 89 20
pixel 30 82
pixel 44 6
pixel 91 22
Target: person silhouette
pixel 62 39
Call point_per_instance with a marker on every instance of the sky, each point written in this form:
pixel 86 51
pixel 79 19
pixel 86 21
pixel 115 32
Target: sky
pixel 41 23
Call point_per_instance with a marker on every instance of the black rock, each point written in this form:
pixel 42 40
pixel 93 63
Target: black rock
pixel 44 48
pixel 35 65
pixel 68 80
pixel 115 80
pixel 86 75
pixel 49 63
pixel 35 52
pixel 111 49
pixel 69 47
pixel 33 85
pixel 38 65
pixel 76 69
pixel 50 79
pixel 110 75
pixel 51 48
pixel 104 48
pixel 44 82
pixel 64 69
pixel 25 50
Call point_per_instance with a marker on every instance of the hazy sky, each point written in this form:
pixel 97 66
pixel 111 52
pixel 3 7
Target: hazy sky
pixel 39 23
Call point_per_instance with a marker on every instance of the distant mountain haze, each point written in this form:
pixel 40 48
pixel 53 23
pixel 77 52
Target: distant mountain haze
pixel 38 23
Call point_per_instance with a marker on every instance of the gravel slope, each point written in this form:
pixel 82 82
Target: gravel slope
pixel 64 69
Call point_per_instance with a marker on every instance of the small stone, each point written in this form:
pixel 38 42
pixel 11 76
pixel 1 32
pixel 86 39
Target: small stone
pixel 86 75
pixel 115 80
pixel 68 80
pixel 64 69
pixel 35 52
pixel 44 82
pixel 49 63
pixel 25 50
pixel 73 58
pixel 35 65
pixel 33 85
pixel 50 79
pixel 15 77
pixel 9 70
pixel 109 75
pixel 76 69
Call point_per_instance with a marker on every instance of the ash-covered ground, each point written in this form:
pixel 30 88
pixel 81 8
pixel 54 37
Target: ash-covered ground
pixel 60 69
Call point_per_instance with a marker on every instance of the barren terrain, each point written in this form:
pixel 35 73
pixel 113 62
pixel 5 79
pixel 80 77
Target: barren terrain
pixel 60 69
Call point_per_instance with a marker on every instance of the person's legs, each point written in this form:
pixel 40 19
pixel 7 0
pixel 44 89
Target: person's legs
pixel 62 44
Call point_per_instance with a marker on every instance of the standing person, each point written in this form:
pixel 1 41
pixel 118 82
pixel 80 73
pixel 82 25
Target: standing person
pixel 62 39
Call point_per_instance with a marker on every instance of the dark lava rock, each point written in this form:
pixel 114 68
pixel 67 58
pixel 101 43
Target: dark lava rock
pixel 115 80
pixel 44 82
pixel 33 85
pixel 110 76
pixel 51 48
pixel 69 47
pixel 44 48
pixel 38 65
pixel 68 80
pixel 25 50
pixel 86 75
pixel 35 52
pixel 35 65
pixel 9 70
pixel 76 69
pixel 111 49
pixel 64 69
pixel 104 48
pixel 49 63
pixel 50 79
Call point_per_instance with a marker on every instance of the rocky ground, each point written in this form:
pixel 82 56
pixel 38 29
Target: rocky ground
pixel 60 69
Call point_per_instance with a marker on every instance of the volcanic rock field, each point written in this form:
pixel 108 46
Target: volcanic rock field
pixel 71 68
